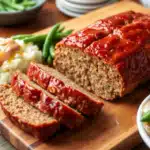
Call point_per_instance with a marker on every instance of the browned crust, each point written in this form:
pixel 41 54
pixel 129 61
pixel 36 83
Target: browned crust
pixel 86 104
pixel 42 132
pixel 60 111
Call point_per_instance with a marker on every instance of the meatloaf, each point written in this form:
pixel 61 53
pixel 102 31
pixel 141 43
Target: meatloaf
pixel 65 90
pixel 100 29
pixel 25 116
pixel 45 102
pixel 111 66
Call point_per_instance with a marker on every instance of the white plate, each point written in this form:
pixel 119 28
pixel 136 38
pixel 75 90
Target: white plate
pixel 87 1
pixel 146 3
pixel 73 9
pixel 80 10
pixel 65 11
pixel 74 12
pixel 143 134
pixel 82 6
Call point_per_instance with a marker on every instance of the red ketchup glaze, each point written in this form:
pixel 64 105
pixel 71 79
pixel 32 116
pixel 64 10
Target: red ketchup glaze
pixel 137 66
pixel 48 104
pixel 121 44
pixel 30 93
pixel 55 86
pixel 44 103
pixel 78 100
pixel 38 75
pixel 136 32
pixel 83 38
pixel 127 49
pixel 22 88
pixel 17 86
pixel 32 72
pixel 73 97
pixel 67 94
pixel 99 29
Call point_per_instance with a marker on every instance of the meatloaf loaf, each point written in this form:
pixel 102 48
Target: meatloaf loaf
pixel 65 90
pixel 45 102
pixel 25 116
pixel 111 66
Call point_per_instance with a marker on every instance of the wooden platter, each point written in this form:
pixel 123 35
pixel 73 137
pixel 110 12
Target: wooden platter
pixel 114 128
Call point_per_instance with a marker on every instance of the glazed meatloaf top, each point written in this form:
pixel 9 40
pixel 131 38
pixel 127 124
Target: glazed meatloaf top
pixel 119 45
pixel 124 49
pixel 45 102
pixel 25 116
pixel 99 29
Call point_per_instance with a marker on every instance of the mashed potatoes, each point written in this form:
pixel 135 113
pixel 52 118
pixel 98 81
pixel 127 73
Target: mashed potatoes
pixel 19 60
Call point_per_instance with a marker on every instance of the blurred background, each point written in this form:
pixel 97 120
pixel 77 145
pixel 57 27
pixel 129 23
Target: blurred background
pixel 52 12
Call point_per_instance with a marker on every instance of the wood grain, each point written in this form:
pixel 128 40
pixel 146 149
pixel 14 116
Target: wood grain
pixel 115 128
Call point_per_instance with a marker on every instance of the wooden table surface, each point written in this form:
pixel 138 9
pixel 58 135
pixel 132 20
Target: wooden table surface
pixel 48 16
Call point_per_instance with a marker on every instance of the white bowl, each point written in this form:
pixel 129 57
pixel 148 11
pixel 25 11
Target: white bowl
pixel 20 17
pixel 143 133
pixel 87 1
pixel 85 7
pixel 65 11
pixel 69 9
pixel 146 3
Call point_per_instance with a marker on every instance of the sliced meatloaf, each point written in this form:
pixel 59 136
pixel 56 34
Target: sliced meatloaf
pixel 112 66
pixel 45 102
pixel 64 89
pixel 25 116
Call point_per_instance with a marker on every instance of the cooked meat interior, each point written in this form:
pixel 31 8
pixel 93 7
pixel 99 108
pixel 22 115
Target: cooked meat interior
pixel 25 116
pixel 64 89
pixel 45 102
pixel 112 66
pixel 89 72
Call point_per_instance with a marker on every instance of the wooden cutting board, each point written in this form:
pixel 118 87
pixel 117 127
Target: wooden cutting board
pixel 114 128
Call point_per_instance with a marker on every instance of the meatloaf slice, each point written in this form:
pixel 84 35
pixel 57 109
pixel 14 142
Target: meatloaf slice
pixel 64 89
pixel 110 67
pixel 25 116
pixel 45 102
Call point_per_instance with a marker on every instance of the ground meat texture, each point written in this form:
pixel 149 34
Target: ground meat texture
pixel 64 89
pixel 26 117
pixel 112 66
pixel 46 103
pixel 89 72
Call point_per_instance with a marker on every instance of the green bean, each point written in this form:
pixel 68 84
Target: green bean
pixel 67 32
pixel 42 37
pixel 12 5
pixel 48 40
pixel 59 36
pixel 17 1
pixel 7 8
pixel 52 49
pixel 35 38
pixel 21 37
pixel 2 7
pixel 61 29
pixel 49 60
pixel 39 44
pixel 29 3
pixel 146 117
